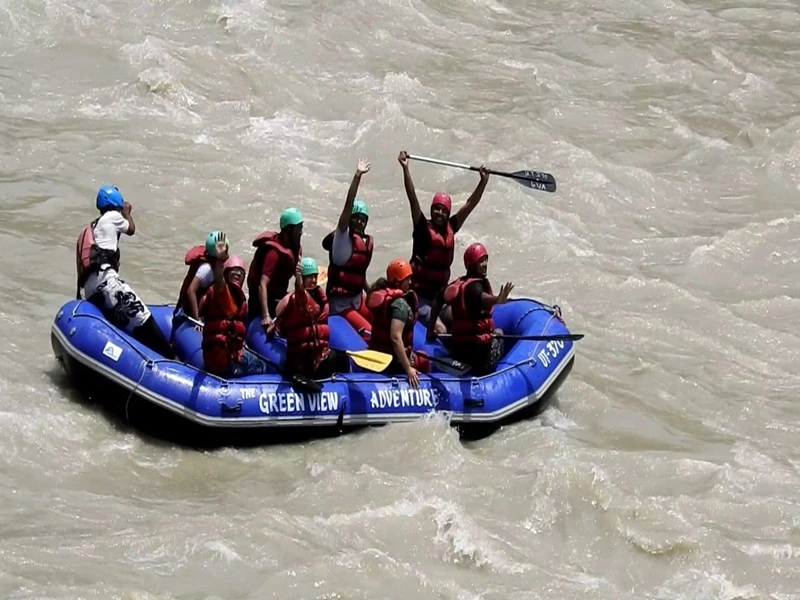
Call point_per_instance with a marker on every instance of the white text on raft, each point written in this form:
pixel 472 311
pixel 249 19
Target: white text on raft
pixel 292 402
pixel 328 402
pixel 550 351
pixel 418 398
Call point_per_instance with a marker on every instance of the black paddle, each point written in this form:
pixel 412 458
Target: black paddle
pixel 556 337
pixel 450 365
pixel 536 180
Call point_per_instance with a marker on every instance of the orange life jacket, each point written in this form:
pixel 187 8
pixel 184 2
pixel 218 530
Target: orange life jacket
pixel 468 327
pixel 279 282
pixel 306 332
pixel 223 334
pixel 195 257
pixel 431 272
pixel 350 278
pixel 89 257
pixel 379 303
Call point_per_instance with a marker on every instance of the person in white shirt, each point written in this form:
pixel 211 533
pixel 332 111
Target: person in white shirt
pixel 99 277
pixel 198 280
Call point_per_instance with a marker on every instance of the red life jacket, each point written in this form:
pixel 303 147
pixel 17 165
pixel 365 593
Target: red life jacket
pixel 468 327
pixel 195 257
pixel 279 282
pixel 223 333
pixel 432 271
pixel 379 303
pixel 89 257
pixel 306 332
pixel 349 279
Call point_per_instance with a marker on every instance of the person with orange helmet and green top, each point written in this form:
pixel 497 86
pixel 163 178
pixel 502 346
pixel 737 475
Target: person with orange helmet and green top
pixel 394 305
pixel 471 300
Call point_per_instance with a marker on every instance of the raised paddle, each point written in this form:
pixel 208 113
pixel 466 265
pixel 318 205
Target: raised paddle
pixel 536 180
pixel 556 337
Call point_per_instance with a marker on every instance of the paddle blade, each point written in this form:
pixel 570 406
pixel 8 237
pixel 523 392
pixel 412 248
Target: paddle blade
pixel 556 337
pixel 372 360
pixel 535 180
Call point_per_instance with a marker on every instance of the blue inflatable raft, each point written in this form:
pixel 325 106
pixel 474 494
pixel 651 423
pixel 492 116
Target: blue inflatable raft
pixel 186 401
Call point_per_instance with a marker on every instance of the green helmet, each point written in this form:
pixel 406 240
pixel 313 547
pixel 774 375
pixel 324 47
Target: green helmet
pixel 309 266
pixel 291 216
pixel 360 208
pixel 211 242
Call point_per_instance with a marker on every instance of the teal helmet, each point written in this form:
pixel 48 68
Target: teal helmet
pixel 360 208
pixel 291 216
pixel 211 242
pixel 309 266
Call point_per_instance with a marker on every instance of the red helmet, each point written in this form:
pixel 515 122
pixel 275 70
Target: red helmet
pixel 474 254
pixel 234 262
pixel 398 270
pixel 443 200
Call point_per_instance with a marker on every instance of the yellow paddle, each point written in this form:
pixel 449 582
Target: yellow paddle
pixel 372 360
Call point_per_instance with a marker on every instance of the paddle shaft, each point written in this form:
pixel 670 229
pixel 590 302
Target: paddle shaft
pixel 556 337
pixel 535 176
pixel 455 367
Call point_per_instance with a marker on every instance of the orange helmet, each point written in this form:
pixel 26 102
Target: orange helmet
pixel 398 270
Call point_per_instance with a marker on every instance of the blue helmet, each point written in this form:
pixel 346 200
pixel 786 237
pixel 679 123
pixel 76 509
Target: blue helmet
pixel 109 197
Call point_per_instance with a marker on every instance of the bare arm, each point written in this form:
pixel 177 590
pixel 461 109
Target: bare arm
pixel 190 300
pixel 300 299
pixel 344 218
pixel 473 200
pixel 488 300
pixel 263 299
pixel 221 247
pixel 126 214
pixel 413 202
pixel 396 335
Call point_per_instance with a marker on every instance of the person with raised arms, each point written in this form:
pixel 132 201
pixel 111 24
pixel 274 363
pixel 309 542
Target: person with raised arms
pixel 349 255
pixel 394 305
pixel 434 239
pixel 475 339
pixel 273 265
pixel 224 313
pixel 98 260
pixel 302 318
